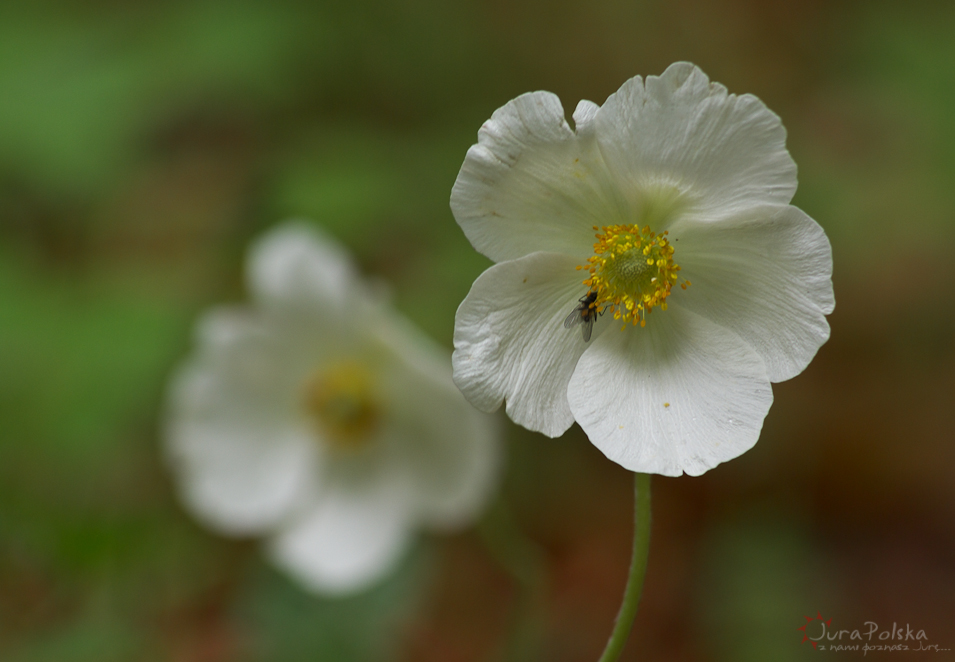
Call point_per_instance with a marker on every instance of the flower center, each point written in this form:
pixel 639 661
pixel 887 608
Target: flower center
pixel 631 271
pixel 341 400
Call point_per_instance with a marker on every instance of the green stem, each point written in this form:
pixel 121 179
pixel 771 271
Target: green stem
pixel 638 569
pixel 524 561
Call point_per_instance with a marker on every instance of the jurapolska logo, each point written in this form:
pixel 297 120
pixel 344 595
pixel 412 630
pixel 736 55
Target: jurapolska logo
pixel 818 631
pixel 809 620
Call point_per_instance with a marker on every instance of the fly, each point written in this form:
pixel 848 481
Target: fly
pixel 584 314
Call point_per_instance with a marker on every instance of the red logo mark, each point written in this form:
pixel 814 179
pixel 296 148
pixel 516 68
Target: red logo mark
pixel 810 619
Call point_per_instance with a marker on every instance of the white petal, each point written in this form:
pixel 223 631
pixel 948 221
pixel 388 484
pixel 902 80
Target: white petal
pixel 722 152
pixel 348 541
pixel 257 358
pixel 240 471
pixel 451 450
pixel 584 115
pixel 262 358
pixel 233 428
pixel 680 395
pixel 767 275
pixel 531 184
pixel 510 342
pixel 297 264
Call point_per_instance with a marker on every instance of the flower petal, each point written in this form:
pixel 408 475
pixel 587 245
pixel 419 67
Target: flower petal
pixel 296 264
pixel 258 360
pixel 532 184
pixel 724 152
pixel 767 276
pixel 584 115
pixel 233 429
pixel 348 540
pixel 510 342
pixel 680 395
pixel 241 474
pixel 451 450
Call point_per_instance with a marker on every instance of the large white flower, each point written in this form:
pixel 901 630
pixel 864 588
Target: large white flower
pixel 321 418
pixel 672 199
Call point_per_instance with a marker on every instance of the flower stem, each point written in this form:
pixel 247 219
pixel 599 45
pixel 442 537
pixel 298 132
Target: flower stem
pixel 521 558
pixel 638 569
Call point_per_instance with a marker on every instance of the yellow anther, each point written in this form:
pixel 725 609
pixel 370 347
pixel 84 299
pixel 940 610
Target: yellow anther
pixel 632 271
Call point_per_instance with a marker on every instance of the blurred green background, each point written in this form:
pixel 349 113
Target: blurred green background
pixel 142 145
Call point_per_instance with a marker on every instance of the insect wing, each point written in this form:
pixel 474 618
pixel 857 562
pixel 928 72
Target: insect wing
pixel 583 316
pixel 574 318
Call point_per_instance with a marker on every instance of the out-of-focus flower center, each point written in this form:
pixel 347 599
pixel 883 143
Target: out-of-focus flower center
pixel 341 399
pixel 631 272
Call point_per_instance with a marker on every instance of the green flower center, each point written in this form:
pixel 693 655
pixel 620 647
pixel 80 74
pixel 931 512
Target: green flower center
pixel 631 272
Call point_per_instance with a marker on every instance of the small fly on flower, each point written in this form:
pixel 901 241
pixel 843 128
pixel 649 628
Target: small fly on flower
pixel 584 313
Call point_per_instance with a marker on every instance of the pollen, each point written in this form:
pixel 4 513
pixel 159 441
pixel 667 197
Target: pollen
pixel 341 401
pixel 632 271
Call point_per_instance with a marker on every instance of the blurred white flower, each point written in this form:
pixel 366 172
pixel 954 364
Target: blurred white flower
pixel 322 419
pixel 671 183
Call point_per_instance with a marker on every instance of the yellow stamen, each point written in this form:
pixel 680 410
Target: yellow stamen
pixel 341 400
pixel 632 270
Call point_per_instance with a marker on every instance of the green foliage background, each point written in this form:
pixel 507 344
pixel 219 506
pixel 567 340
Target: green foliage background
pixel 142 145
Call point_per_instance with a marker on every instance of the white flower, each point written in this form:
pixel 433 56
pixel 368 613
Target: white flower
pixel 679 184
pixel 321 418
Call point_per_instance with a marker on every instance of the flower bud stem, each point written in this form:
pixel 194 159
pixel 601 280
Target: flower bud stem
pixel 638 569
